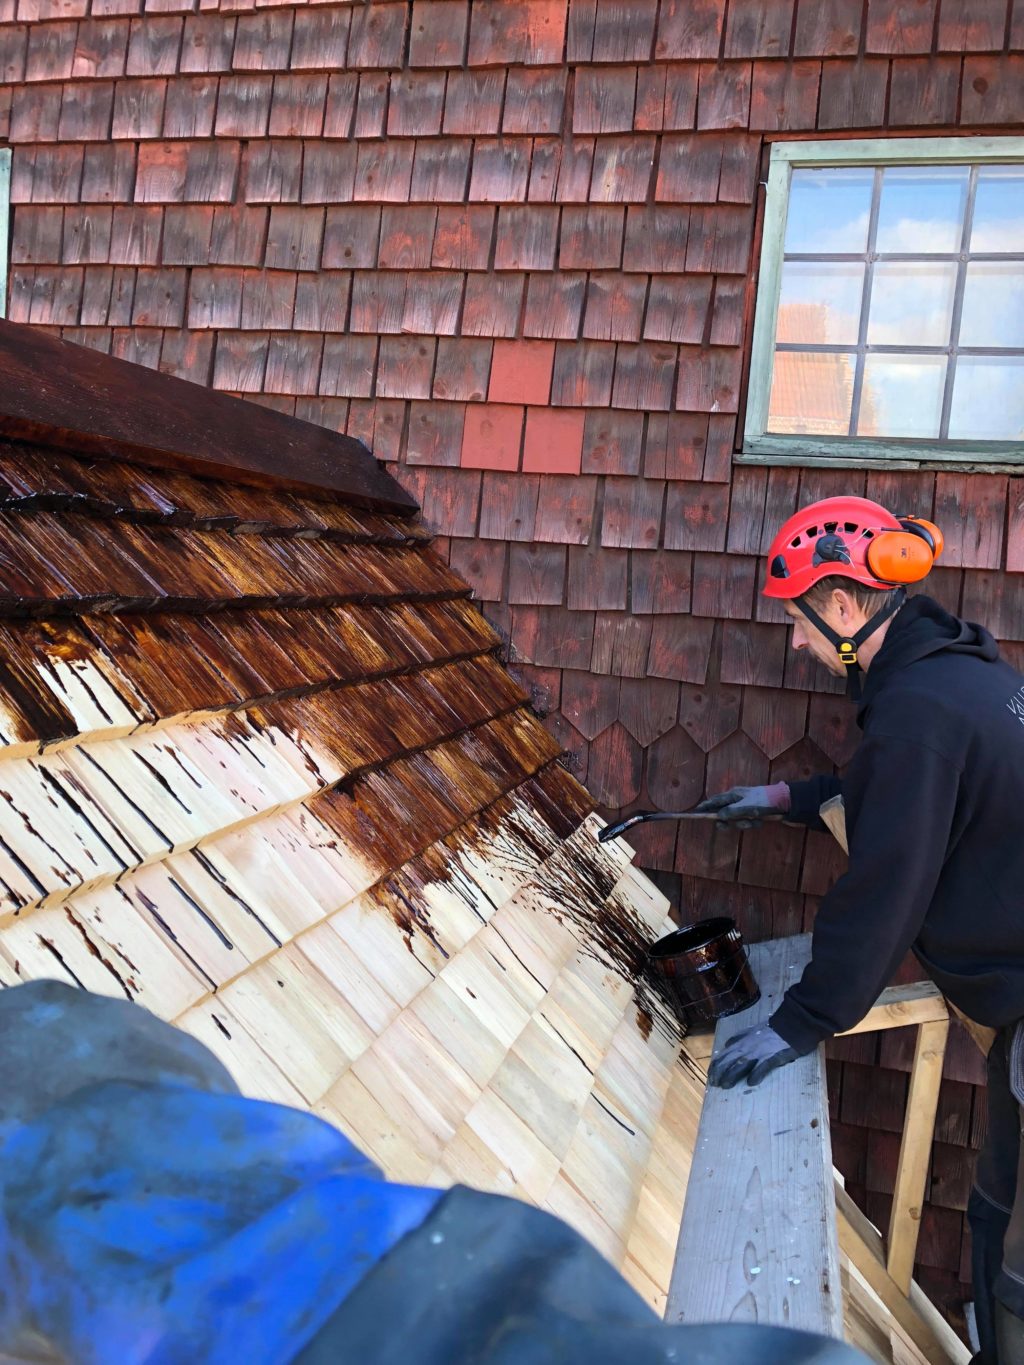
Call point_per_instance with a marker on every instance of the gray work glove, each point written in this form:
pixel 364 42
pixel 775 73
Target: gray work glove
pixel 745 807
pixel 750 1056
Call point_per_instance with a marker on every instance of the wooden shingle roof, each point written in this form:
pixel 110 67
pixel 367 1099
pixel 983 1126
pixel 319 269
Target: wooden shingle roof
pixel 262 772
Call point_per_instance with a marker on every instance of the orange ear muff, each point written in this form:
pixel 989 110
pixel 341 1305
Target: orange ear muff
pixel 927 530
pixel 900 557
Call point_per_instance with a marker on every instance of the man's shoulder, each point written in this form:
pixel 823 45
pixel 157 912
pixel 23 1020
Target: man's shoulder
pixel 941 700
pixel 950 676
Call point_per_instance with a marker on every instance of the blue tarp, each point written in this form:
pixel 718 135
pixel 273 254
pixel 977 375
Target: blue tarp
pixel 163 1225
pixel 150 1215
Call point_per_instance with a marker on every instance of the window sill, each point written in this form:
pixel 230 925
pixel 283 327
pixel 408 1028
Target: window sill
pixel 992 457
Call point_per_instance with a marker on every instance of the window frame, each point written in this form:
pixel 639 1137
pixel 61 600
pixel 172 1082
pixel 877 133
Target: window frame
pixel 760 446
pixel 5 225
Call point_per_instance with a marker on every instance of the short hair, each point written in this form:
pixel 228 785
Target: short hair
pixel 870 599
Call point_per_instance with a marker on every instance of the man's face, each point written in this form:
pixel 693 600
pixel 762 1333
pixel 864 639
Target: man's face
pixel 809 637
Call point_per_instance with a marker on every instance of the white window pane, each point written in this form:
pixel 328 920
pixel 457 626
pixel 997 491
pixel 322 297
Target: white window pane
pixel 911 303
pixel 922 208
pixel 819 303
pixel 902 395
pixel 999 210
pixel 993 312
pixel 988 399
pixel 829 208
pixel 811 393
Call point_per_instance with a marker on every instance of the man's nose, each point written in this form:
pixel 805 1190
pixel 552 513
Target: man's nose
pixel 799 638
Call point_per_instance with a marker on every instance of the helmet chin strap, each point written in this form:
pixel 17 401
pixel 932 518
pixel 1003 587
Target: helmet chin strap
pixel 847 645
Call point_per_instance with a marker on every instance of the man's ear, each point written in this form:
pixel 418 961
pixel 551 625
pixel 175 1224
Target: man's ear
pixel 842 603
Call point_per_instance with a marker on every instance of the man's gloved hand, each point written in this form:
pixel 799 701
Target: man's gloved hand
pixel 745 807
pixel 750 1056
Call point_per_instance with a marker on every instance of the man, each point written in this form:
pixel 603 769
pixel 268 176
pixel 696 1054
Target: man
pixel 934 798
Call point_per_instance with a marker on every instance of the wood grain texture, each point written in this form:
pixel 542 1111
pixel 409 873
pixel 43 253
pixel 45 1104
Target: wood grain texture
pixel 915 1316
pixel 758 1238
pixel 915 1150
pixel 900 1006
pixel 75 398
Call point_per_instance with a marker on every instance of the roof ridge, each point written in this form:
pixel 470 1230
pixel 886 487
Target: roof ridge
pixel 74 398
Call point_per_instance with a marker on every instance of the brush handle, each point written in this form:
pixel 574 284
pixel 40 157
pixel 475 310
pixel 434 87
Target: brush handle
pixel 642 817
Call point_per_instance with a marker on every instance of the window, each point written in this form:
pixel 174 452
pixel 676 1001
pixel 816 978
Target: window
pixel 5 195
pixel 890 306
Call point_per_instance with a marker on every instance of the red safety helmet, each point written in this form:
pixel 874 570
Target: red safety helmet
pixel 850 538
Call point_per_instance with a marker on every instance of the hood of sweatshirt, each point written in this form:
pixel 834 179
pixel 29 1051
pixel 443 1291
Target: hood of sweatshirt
pixel 922 627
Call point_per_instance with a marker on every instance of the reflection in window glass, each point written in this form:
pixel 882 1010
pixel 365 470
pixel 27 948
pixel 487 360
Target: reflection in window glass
pixel 829 209
pixel 912 303
pixel 900 300
pixel 999 210
pixel 902 395
pixel 921 209
pixel 820 302
pixel 993 311
pixel 988 399
pixel 811 393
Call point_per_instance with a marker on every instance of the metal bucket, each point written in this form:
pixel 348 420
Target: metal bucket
pixel 705 969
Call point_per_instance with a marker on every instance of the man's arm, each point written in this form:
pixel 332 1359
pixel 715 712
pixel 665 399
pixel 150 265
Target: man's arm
pixel 746 807
pixel 900 801
pixel 806 798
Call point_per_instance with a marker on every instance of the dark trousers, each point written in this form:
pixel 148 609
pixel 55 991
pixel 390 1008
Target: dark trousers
pixel 996 1208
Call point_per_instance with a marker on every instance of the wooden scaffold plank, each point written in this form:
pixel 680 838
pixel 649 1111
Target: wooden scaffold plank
pixel 897 1006
pixel 758 1236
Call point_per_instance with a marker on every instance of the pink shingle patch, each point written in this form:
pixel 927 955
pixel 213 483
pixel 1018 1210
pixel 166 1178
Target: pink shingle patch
pixel 554 441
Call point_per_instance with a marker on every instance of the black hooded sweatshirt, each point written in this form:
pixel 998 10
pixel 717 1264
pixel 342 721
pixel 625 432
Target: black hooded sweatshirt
pixel 934 801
